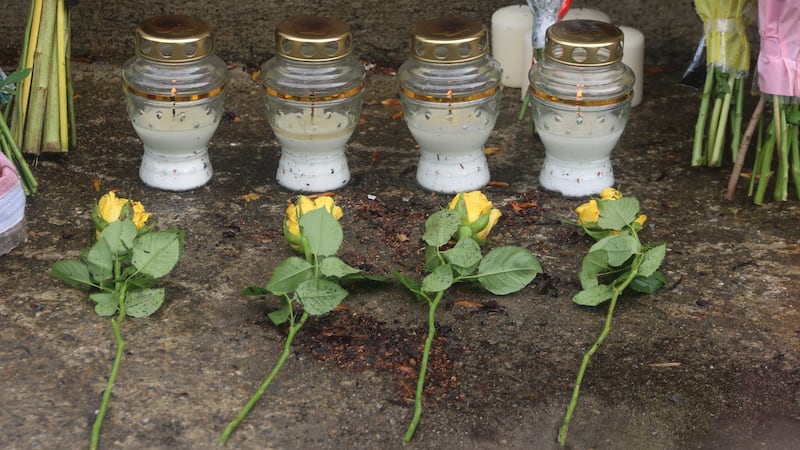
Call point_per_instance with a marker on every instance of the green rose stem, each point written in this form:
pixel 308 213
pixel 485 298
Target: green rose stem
pixel 293 329
pixel 617 291
pixel 423 368
pixel 115 322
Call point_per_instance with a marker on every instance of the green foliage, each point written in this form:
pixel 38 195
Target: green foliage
pixel 618 255
pixel 501 271
pixel 615 262
pixel 312 283
pixel 122 268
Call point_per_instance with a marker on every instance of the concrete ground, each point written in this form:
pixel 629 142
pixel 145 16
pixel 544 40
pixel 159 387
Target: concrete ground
pixel 711 361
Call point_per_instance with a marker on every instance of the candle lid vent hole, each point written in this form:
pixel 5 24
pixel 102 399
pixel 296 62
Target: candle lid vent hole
pixel 579 54
pixel 603 54
pixel 190 49
pixel 166 50
pixel 307 49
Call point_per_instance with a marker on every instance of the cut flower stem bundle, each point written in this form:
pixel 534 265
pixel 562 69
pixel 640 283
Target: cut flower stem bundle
pixel 43 118
pixel 777 142
pixel 727 62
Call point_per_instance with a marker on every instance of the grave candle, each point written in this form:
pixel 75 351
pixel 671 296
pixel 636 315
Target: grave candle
pixel 633 57
pixel 509 25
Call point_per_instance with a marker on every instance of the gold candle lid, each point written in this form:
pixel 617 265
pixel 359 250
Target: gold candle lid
pixel 450 40
pixel 588 43
pixel 312 38
pixel 174 38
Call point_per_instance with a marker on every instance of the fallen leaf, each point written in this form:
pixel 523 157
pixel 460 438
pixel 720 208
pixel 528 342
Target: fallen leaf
pixel 493 150
pixel 497 184
pixel 255 75
pixel 96 182
pixel 374 155
pixel 467 304
pixel 250 197
pixel 398 115
pixel 390 102
pixel 402 237
pixel 521 206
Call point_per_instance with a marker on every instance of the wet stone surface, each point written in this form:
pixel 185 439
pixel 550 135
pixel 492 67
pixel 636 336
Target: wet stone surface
pixel 710 361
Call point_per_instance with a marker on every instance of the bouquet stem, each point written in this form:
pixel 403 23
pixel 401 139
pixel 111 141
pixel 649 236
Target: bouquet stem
pixel 698 153
pixel 721 109
pixel 287 347
pixel 101 414
pixel 423 368
pixel 564 429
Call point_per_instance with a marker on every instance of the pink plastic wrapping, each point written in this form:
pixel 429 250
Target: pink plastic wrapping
pixel 779 58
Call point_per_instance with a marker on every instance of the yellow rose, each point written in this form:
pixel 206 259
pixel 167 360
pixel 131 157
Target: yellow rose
pixel 111 208
pixel 610 194
pixel 291 226
pixel 477 213
pixel 588 212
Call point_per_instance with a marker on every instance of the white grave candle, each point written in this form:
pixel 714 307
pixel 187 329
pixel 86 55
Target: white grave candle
pixel 509 25
pixel 175 139
pixel 526 55
pixel 587 14
pixel 633 57
pixel 313 145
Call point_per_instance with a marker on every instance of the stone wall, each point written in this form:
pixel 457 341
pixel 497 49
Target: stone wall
pixel 244 28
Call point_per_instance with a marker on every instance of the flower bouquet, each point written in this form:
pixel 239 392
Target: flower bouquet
pixel 310 283
pixel 727 61
pixel 121 271
pixel 503 270
pixel 617 262
pixel 778 78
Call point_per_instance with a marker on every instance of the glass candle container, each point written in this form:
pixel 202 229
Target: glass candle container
pixel 313 89
pixel 581 99
pixel 175 94
pixel 450 89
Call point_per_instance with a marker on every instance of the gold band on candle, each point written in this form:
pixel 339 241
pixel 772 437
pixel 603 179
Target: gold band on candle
pixel 314 98
pixel 175 98
pixel 449 99
pixel 581 101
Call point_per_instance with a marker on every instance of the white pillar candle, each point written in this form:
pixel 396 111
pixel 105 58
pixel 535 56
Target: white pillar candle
pixel 509 25
pixel 633 57
pixel 587 14
pixel 526 55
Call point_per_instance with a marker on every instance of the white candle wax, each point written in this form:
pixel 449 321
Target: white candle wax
pixel 578 155
pixel 633 57
pixel 175 131
pixel 587 14
pixel 175 140
pixel 509 24
pixel 313 157
pixel 451 147
pixel 320 132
